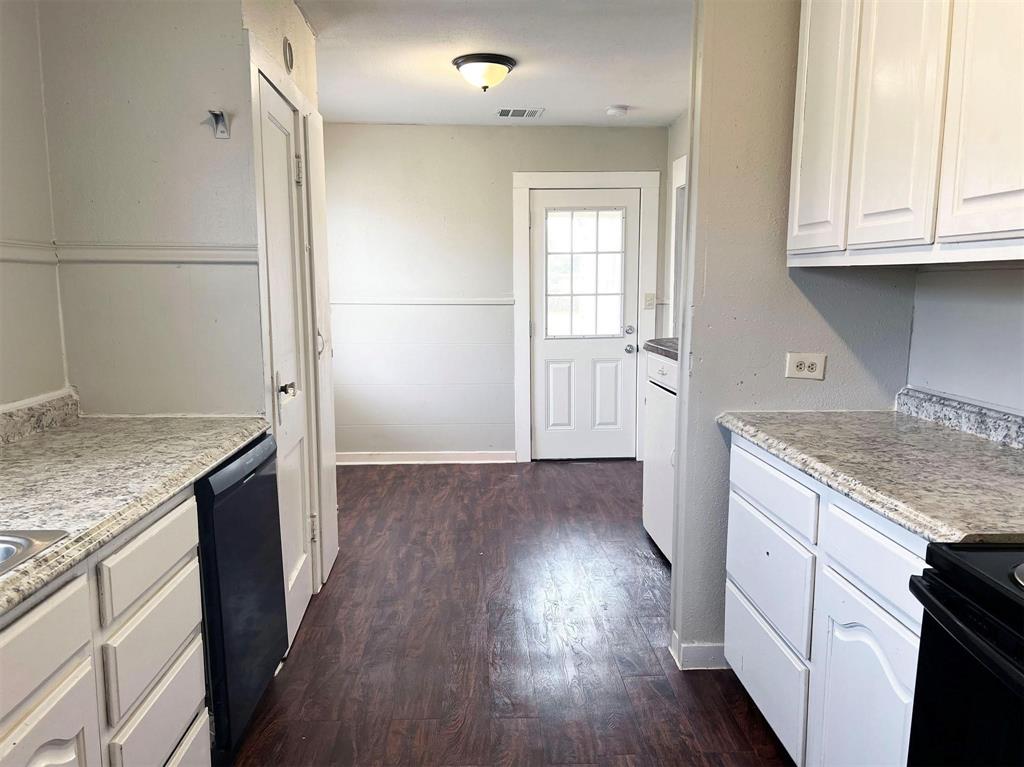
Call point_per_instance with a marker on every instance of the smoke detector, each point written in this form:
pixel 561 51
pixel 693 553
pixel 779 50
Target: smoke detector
pixel 526 113
pixel 617 110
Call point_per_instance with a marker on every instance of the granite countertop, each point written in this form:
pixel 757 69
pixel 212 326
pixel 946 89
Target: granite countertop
pixel 98 477
pixel 942 484
pixel 666 347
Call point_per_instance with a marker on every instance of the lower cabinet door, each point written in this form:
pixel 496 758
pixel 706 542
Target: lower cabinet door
pixel 63 729
pixel 659 466
pixel 862 688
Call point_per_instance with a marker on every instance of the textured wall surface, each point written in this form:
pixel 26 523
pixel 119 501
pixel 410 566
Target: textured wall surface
pixel 747 308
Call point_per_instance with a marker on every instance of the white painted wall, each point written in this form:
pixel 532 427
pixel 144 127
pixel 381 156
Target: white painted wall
pixel 31 347
pixel 270 21
pixel 748 309
pixel 968 339
pixel 155 219
pixel 420 237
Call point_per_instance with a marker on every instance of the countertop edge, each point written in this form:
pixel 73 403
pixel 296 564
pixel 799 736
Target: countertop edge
pixel 22 582
pixel 853 488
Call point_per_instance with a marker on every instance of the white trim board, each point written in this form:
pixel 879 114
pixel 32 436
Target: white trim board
pixel 127 253
pixel 415 301
pixel 649 184
pixel 438 456
pixel 24 252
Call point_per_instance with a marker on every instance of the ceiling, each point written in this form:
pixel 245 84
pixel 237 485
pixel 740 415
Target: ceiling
pixel 389 61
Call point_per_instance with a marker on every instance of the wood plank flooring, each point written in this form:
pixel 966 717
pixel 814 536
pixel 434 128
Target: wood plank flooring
pixel 504 614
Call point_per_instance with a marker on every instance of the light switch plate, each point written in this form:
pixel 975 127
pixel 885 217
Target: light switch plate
pixel 805 365
pixel 650 300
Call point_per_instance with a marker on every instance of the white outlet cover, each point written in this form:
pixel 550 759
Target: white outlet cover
pixel 809 365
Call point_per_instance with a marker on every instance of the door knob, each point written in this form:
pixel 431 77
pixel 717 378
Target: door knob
pixel 630 348
pixel 321 343
pixel 288 388
pixel 629 330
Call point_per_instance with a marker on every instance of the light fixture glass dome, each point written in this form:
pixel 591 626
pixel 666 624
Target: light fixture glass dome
pixel 484 70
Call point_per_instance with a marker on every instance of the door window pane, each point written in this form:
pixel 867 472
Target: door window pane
pixel 609 230
pixel 585 279
pixel 609 315
pixel 559 231
pixel 584 230
pixel 584 273
pixel 609 273
pixel 583 315
pixel 559 274
pixel 559 315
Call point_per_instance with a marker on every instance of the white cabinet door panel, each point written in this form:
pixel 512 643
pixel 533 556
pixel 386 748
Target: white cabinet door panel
pixel 659 466
pixel 822 125
pixel 62 730
pixel 862 690
pixel 898 122
pixel 982 190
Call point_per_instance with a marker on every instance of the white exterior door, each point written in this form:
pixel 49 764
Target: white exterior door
pixel 584 280
pixel 288 335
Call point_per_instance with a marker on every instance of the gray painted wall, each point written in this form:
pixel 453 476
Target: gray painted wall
pixel 424 214
pixel 748 309
pixel 968 336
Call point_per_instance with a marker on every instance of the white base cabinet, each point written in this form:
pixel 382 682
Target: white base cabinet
pixel 820 626
pixel 660 451
pixel 134 610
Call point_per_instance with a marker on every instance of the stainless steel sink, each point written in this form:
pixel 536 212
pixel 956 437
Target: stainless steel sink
pixel 18 545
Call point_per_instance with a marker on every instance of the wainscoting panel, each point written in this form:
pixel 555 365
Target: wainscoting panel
pixel 423 377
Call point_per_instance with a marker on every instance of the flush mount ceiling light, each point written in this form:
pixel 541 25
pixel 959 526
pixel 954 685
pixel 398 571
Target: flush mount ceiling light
pixel 484 70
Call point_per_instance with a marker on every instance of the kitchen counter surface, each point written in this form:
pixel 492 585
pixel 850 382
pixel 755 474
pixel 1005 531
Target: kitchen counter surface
pixel 942 484
pixel 666 347
pixel 99 476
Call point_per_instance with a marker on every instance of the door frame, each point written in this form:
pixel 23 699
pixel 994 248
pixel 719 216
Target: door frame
pixel 649 185
pixel 262 63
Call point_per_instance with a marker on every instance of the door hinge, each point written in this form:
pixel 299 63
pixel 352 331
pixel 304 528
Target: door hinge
pixel 531 328
pixel 689 366
pixel 298 170
pixel 312 528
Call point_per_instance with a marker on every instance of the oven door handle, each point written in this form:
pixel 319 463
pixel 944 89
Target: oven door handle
pixel 990 657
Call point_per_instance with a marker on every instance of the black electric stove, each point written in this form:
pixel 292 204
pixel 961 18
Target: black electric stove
pixel 969 695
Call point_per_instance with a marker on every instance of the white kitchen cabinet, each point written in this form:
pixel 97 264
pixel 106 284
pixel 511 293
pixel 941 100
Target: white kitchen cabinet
pixel 659 465
pixel 842 692
pixel 981 194
pixel 862 690
pixel 901 79
pixel 823 125
pixel 61 730
pixel 894 162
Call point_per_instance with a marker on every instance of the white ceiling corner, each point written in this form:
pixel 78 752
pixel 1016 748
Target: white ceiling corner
pixel 389 61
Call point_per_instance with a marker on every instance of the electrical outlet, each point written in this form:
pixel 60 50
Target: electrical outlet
pixel 805 365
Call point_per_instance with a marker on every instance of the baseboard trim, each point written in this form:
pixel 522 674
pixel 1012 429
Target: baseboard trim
pixel 438 456
pixel 700 656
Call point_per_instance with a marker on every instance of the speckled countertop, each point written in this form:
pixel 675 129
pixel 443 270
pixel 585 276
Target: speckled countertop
pixel 945 485
pixel 666 347
pixel 99 476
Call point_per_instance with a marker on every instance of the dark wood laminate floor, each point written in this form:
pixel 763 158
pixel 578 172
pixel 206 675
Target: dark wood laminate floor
pixel 497 615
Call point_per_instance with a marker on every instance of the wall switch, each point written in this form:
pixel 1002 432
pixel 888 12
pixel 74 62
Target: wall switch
pixel 805 365
pixel 650 300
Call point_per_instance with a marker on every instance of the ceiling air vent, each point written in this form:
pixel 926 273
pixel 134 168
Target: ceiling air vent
pixel 521 112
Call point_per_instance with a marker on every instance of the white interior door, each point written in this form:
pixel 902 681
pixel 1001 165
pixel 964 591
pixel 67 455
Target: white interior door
pixel 288 328
pixel 584 280
pixel 326 451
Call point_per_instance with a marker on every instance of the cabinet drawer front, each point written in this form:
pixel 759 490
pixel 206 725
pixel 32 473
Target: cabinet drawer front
pixel 41 641
pixel 194 749
pixel 770 672
pixel 136 653
pixel 128 573
pixel 794 505
pixel 874 563
pixel 663 371
pixel 152 733
pixel 774 571
pixel 63 729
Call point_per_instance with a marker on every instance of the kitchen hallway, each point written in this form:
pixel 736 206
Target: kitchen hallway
pixel 511 614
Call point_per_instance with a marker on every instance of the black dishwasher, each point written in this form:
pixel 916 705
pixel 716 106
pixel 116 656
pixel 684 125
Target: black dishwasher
pixel 246 632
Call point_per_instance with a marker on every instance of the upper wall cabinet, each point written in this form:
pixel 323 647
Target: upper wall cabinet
pixel 982 189
pixel 892 164
pixel 823 125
